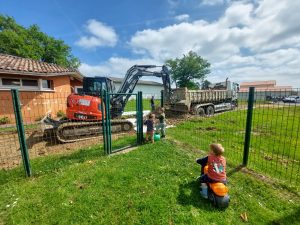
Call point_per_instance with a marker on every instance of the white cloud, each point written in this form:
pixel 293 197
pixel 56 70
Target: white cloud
pixel 99 35
pixel 282 65
pixel 249 41
pixel 182 17
pixel 115 66
pixel 212 2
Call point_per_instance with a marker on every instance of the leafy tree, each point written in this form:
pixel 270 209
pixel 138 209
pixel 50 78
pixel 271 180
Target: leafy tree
pixel 188 69
pixel 32 43
pixel 205 84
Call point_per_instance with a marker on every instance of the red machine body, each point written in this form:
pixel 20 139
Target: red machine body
pixel 84 107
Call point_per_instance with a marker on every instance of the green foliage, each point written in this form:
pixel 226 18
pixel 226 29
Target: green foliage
pixel 60 113
pixel 187 69
pixel 205 84
pixel 32 43
pixel 4 120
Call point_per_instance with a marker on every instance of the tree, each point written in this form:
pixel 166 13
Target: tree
pixel 205 85
pixel 32 43
pixel 188 69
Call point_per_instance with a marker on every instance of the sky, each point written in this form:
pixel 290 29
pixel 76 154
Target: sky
pixel 243 40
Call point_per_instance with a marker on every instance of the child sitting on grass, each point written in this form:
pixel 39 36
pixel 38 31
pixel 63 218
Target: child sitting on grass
pixel 216 166
pixel 150 127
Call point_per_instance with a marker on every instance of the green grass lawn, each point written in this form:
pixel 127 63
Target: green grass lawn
pixel 154 184
pixel 131 105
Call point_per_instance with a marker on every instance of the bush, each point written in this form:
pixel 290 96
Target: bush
pixel 60 113
pixel 4 120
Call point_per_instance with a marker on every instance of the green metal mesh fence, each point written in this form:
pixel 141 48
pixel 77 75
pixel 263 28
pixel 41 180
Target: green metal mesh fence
pixel 274 147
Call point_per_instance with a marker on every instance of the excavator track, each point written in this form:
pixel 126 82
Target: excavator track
pixel 77 131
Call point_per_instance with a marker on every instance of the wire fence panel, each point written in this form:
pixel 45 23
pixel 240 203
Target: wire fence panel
pixel 10 154
pixel 124 126
pixel 38 108
pixel 204 117
pixel 275 146
pixel 198 131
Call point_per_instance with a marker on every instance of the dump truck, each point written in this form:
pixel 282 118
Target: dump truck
pixel 218 97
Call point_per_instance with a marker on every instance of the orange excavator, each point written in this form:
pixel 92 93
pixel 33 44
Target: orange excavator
pixel 84 111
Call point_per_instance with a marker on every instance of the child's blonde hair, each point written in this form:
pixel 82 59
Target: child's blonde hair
pixel 217 149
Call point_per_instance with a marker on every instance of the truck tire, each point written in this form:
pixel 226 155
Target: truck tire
pixel 210 111
pixel 200 111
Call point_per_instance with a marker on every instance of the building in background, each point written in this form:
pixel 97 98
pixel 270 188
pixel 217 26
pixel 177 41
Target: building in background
pixel 43 87
pixel 149 88
pixel 265 89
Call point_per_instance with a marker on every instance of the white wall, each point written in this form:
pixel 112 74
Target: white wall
pixel 148 90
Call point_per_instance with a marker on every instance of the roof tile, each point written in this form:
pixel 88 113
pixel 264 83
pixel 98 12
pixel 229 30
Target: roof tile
pixel 15 63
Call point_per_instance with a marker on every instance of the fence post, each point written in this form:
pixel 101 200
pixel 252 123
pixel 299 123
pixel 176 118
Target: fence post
pixel 104 127
pixel 108 123
pixel 162 98
pixel 248 125
pixel 21 132
pixel 140 118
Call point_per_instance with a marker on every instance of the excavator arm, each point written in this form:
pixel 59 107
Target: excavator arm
pixel 130 81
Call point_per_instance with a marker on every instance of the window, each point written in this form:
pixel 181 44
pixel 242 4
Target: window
pixel 79 90
pixel 47 84
pixel 11 82
pixel 30 83
pixel 27 84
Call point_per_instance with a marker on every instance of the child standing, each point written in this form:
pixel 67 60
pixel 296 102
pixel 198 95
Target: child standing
pixel 150 127
pixel 162 123
pixel 216 163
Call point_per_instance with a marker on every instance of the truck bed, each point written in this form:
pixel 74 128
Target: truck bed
pixel 182 99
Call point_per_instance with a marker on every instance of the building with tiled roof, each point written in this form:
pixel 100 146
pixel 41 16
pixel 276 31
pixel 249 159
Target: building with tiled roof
pixel 15 65
pixel 43 87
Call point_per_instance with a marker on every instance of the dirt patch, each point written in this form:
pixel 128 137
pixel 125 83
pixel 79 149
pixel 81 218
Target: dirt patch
pixel 10 154
pixel 38 145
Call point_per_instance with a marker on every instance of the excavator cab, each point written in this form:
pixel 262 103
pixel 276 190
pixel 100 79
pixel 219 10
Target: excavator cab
pixel 94 85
